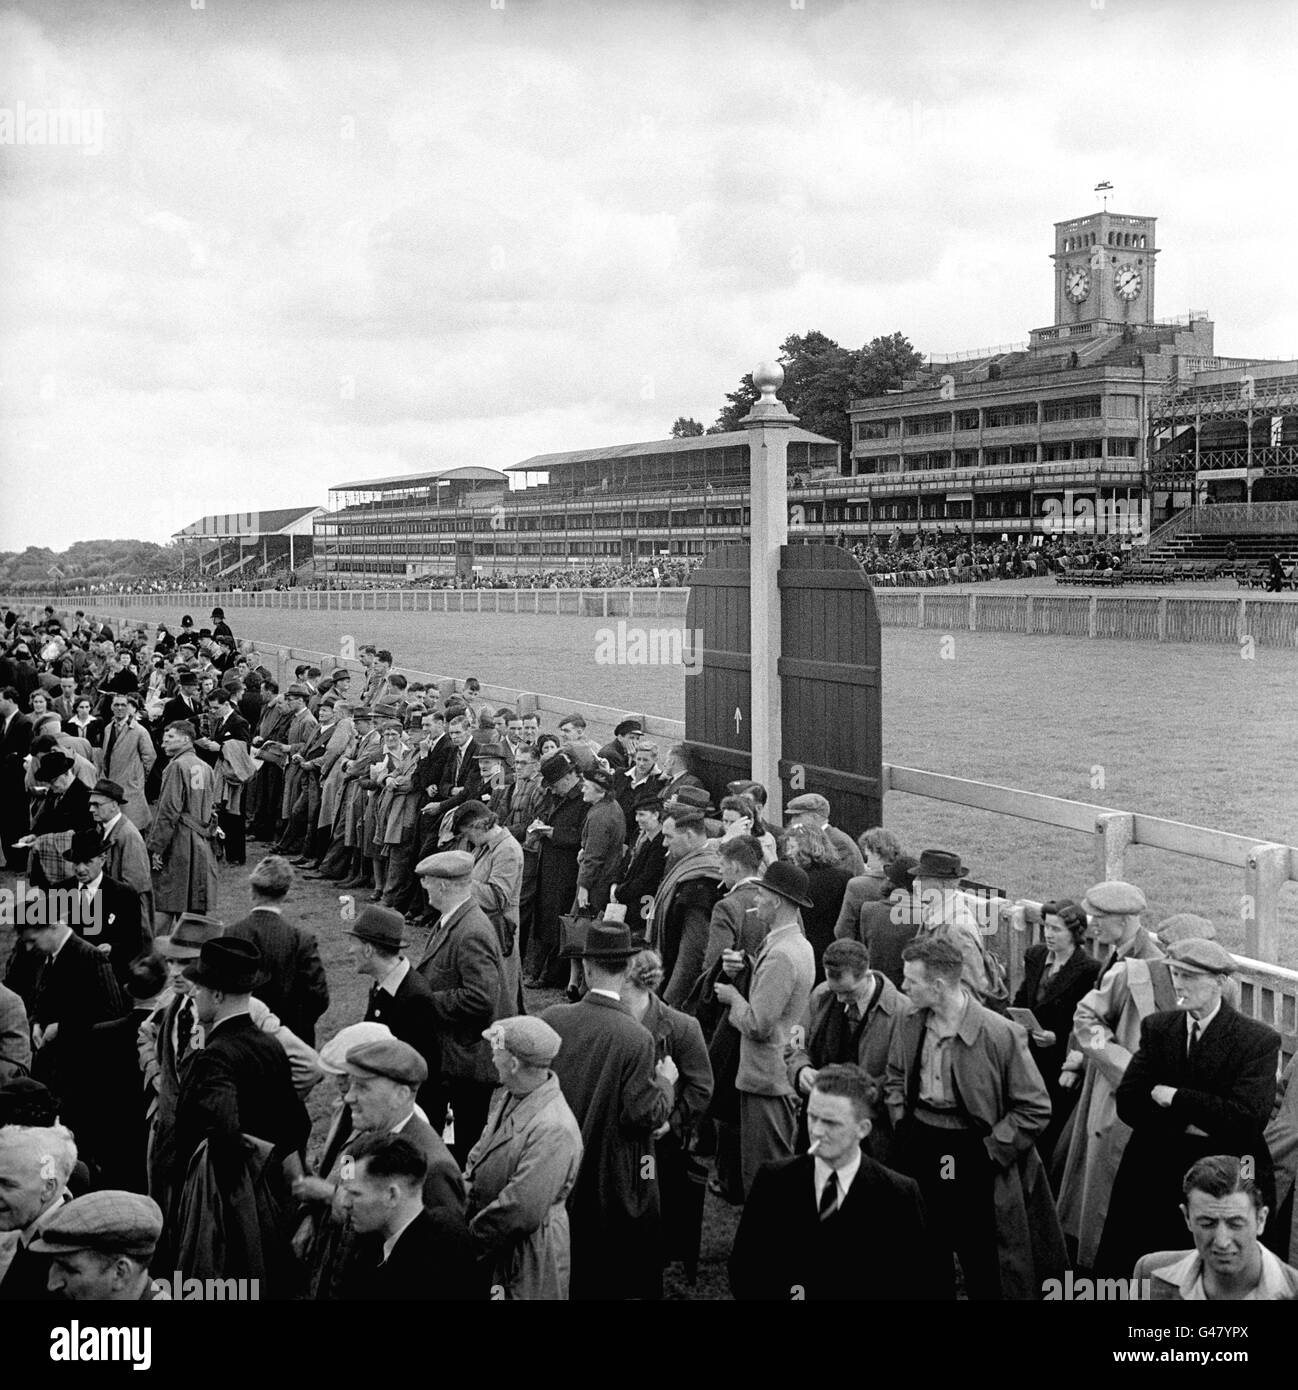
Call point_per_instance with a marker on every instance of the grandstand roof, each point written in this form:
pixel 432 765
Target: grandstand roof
pixel 469 472
pixel 278 521
pixel 545 463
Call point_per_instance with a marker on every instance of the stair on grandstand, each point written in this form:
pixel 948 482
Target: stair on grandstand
pixel 1250 550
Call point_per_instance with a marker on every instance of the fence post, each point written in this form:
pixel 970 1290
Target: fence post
pixel 1266 870
pixel 1114 831
pixel 921 610
pixel 1162 619
pixel 1090 617
pixel 1241 621
pixel 973 612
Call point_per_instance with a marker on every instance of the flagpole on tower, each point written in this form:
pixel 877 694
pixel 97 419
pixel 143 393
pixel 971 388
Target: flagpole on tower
pixel 1104 190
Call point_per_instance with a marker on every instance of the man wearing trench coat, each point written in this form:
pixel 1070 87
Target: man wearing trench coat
pixel 522 1169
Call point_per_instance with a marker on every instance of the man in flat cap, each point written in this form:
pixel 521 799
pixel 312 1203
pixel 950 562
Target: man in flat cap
pixel 524 1166
pixel 179 838
pixel 465 970
pixel 1133 983
pixel 813 809
pixel 382 1075
pixel 126 858
pixel 619 751
pixel 100 1246
pixel 1202 1082
pixel 497 880
pixel 621 1098
pixel 302 729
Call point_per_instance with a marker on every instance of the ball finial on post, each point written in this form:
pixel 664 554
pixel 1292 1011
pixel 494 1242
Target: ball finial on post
pixel 768 377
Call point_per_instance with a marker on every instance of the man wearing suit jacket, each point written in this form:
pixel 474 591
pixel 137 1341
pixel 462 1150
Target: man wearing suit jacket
pixel 833 1224
pixel 405 1252
pixel 1225 1212
pixel 1202 1083
pixel 464 968
pixel 239 1082
pixel 851 1017
pixel 399 996
pixel 227 724
pixel 293 983
pixel 15 740
pixel 461 781
pixel 620 1098
pixel 107 912
pixel 75 989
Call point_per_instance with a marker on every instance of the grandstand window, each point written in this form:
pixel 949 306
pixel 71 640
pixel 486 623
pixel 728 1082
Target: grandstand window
pixel 1006 415
pixel 928 424
pixel 1121 448
pixel 966 420
pixel 1023 453
pixel 653 518
pixel 878 429
pixel 1124 407
pixel 1082 408
pixel 1088 448
pixel 995 458
pixel 1054 453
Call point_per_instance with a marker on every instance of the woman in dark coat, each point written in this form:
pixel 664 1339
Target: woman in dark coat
pixel 809 848
pixel 1056 977
pixel 644 862
pixel 682 1179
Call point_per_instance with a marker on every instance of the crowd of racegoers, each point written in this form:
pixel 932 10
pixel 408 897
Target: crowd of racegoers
pixel 787 1018
pixel 950 554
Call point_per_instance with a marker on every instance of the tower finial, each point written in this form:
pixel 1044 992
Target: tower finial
pixel 1104 190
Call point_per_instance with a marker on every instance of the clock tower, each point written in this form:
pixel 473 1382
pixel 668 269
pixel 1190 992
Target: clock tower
pixel 1104 269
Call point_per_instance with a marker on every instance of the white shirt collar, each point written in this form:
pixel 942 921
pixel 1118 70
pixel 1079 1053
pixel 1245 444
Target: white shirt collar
pixel 1203 1023
pixel 93 886
pixel 607 993
pixel 391 982
pixel 108 828
pixel 846 1175
pixel 1187 1274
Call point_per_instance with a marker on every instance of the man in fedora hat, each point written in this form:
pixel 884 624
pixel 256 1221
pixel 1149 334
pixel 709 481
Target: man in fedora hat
pixel 464 968
pixel 1201 1082
pixel 126 858
pixel 621 1099
pixel 239 1082
pixel 946 911
pixel 783 974
pixel 399 995
pixel 104 912
pixel 556 832
pixel 65 806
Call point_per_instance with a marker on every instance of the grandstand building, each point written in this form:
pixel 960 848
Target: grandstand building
pixel 1007 441
pixel 1106 412
pixel 673 498
pixel 241 547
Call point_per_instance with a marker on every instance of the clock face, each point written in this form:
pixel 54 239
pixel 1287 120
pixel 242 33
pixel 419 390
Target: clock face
pixel 1127 281
pixel 1077 284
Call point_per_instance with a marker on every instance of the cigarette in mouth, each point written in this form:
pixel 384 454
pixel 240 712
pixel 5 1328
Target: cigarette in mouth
pixel 814 1147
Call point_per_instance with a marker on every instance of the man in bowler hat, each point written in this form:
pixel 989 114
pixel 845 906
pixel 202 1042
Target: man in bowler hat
pixel 621 1099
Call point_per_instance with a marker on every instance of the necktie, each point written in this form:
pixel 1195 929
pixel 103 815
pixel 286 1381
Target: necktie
pixel 829 1197
pixel 853 1013
pixel 184 1031
pixel 112 739
pixel 1194 1038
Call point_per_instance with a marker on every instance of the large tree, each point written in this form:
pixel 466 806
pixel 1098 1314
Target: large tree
pixel 821 378
pixel 686 428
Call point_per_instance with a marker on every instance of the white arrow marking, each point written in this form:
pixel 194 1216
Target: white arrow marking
pixel 739 718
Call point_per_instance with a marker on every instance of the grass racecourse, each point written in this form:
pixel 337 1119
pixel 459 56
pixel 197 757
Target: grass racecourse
pixel 1197 734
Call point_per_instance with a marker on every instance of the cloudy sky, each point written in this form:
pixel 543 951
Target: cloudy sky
pixel 267 247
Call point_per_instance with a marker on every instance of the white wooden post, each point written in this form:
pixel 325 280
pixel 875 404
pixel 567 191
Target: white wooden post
pixel 768 424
